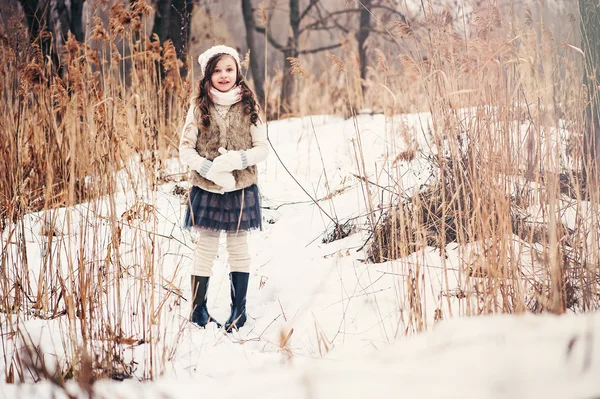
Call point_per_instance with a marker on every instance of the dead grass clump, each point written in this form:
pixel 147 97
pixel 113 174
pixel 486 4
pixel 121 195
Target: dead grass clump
pixel 392 237
pixel 180 191
pixel 418 222
pixel 436 216
pixel 574 184
pixel 338 232
pixel 540 296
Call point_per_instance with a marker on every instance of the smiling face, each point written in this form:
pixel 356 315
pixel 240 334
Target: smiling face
pixel 224 75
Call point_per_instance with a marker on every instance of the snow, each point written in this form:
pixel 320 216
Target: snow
pixel 322 322
pixel 483 357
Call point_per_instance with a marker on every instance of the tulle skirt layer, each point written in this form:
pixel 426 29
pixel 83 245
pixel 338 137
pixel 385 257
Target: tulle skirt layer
pixel 232 211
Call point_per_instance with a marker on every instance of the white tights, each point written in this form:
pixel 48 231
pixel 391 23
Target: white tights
pixel 207 246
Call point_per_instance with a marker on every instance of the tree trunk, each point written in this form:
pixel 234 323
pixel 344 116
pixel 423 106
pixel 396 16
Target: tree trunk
pixel 179 29
pixel 171 22
pixel 64 19
pixel 76 17
pixel 161 20
pixel 69 18
pixel 256 64
pixel 590 29
pixel 361 38
pixel 287 84
pixel 39 19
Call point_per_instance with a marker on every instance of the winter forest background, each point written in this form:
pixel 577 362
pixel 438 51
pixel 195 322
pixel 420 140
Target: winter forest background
pixel 448 146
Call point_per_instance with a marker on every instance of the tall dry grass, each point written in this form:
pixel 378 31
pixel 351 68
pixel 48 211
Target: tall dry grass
pixel 69 139
pixel 505 146
pixel 506 139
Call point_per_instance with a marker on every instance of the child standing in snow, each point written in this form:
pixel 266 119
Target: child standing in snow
pixel 222 141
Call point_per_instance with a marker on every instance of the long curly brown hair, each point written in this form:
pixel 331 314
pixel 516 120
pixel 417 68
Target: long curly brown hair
pixel 203 101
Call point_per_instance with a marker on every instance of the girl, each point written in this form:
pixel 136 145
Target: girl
pixel 221 142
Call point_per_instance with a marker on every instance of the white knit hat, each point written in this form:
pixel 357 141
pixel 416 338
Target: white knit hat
pixel 215 50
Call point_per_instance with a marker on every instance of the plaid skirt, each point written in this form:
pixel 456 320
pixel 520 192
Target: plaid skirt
pixel 232 211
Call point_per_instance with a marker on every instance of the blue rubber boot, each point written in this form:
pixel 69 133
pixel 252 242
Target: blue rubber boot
pixel 239 289
pixel 200 314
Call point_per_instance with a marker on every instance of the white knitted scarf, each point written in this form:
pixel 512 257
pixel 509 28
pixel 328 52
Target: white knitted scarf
pixel 228 98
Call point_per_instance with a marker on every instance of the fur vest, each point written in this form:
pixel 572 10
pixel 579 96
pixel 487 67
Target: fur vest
pixel 232 133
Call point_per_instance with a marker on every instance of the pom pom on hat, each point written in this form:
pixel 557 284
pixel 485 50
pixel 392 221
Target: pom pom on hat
pixel 215 50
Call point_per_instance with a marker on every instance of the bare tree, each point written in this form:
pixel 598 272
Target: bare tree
pixel 256 66
pixel 317 17
pixel 366 10
pixel 590 28
pixel 291 49
pixel 361 37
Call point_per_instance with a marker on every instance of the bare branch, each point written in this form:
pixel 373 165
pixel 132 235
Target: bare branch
pixel 307 9
pixel 335 21
pixel 390 9
pixel 321 23
pixel 346 11
pixel 315 25
pixel 327 28
pixel 318 49
pixel 271 39
pixel 374 6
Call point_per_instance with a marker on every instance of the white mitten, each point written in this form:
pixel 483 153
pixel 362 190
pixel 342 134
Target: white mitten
pixel 230 160
pixel 223 179
pixel 205 167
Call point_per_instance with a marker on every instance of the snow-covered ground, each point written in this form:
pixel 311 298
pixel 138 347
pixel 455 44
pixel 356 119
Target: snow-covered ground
pixel 322 322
